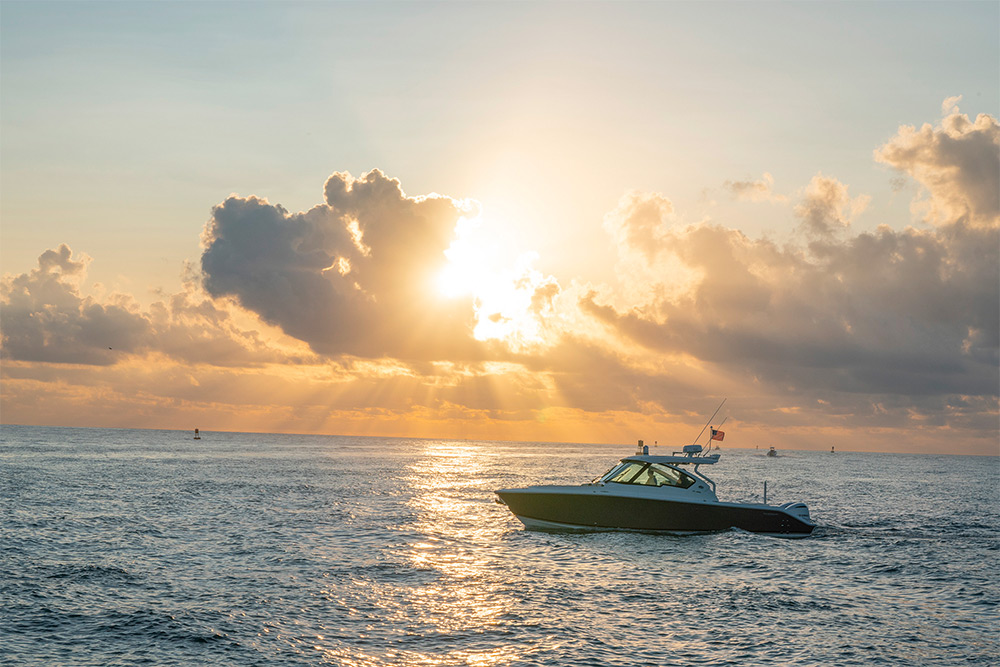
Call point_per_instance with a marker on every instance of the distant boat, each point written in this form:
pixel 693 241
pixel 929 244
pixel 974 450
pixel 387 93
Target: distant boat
pixel 772 452
pixel 197 436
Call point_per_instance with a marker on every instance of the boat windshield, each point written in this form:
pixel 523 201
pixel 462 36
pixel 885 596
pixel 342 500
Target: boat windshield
pixel 650 474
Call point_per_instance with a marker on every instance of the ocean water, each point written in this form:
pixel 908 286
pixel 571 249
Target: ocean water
pixel 135 547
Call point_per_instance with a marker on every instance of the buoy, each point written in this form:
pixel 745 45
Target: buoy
pixel 196 435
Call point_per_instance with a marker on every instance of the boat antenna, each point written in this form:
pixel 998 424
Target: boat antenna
pixel 710 419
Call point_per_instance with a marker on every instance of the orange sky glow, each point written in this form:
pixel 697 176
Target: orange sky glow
pixel 389 305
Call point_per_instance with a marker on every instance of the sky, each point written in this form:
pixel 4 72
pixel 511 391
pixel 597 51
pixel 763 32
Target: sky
pixel 557 222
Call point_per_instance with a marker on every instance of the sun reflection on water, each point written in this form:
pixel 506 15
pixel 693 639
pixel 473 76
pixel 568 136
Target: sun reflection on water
pixel 430 586
pixel 451 485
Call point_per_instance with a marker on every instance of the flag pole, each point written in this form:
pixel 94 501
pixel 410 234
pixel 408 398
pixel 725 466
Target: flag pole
pixel 710 421
pixel 711 437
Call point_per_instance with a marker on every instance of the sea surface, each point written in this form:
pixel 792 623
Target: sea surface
pixel 138 547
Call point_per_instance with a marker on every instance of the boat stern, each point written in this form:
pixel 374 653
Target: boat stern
pixel 799 511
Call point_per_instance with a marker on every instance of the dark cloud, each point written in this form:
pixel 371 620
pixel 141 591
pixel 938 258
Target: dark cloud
pixel 351 276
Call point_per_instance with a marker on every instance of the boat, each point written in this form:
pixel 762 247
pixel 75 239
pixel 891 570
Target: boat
pixel 652 493
pixel 772 452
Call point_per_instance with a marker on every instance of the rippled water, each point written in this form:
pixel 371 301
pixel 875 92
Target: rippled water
pixel 129 547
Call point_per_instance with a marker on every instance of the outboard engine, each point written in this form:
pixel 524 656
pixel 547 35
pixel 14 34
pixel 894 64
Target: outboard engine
pixel 798 510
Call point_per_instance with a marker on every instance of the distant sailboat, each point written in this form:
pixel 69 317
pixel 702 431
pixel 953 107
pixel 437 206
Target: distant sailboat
pixel 197 436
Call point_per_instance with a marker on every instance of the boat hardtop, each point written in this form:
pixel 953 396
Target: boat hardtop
pixel 673 460
pixel 687 455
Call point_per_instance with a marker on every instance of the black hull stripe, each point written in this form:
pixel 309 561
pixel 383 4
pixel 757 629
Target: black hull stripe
pixel 611 512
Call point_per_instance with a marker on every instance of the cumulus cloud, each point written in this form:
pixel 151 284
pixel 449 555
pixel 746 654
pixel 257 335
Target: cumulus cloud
pixel 760 190
pixel 957 161
pixel 901 313
pixel 903 319
pixel 826 208
pixel 639 227
pixel 45 317
pixel 638 224
pixel 353 275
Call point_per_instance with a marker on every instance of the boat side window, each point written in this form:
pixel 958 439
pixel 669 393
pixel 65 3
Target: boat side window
pixel 672 477
pixel 653 476
pixel 627 473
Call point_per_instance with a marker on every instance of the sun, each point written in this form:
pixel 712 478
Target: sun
pixel 468 261
pixel 503 293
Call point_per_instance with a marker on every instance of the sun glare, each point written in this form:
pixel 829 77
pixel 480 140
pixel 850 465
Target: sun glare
pixel 468 261
pixel 504 308
pixel 502 296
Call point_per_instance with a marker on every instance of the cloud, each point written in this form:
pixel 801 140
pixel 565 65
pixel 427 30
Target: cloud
pixel 888 313
pixel 907 320
pixel 956 161
pixel 761 190
pixel 826 208
pixel 45 317
pixel 637 225
pixel 351 276
pixel 327 320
